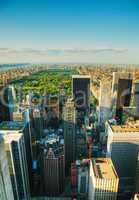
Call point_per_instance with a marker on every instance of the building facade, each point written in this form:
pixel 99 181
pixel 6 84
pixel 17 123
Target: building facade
pixel 53 165
pixel 4 103
pixel 69 117
pixel 121 93
pixel 103 180
pixel 17 161
pixel 123 148
pixel 104 108
pixel 83 179
pixel 81 91
pixel 137 176
pixel 6 191
pixel 136 96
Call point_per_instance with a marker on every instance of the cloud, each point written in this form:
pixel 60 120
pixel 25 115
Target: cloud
pixel 60 52
pixel 93 51
pixel 9 55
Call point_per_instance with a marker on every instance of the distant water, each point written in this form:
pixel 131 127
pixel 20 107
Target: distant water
pixel 13 66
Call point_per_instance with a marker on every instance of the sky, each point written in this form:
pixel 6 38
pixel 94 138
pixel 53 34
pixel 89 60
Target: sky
pixel 76 31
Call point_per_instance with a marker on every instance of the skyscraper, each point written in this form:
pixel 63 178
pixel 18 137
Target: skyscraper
pixel 83 176
pixel 37 122
pixel 27 132
pixel 69 117
pixel 137 176
pixel 136 95
pixel 123 148
pixel 51 105
pixel 4 104
pixel 81 91
pixel 6 192
pixel 11 100
pixel 53 164
pixel 17 162
pixel 80 178
pixel 104 109
pixel 103 180
pixel 121 93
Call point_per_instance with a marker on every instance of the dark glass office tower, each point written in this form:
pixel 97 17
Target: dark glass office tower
pixel 123 97
pixel 52 164
pixel 121 93
pixel 136 97
pixel 69 116
pixel 4 104
pixel 81 91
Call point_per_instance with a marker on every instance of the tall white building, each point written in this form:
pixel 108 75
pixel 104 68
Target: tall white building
pixel 16 154
pixel 123 148
pixel 103 180
pixel 6 192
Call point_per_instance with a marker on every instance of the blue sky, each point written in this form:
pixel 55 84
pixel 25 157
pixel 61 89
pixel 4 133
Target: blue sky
pixel 69 31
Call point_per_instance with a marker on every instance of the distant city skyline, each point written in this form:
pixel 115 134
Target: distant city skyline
pixel 88 31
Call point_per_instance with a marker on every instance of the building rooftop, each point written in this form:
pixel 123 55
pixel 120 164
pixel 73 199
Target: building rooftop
pixel 104 169
pixel 136 197
pixel 129 126
pixel 17 115
pixel 81 76
pixel 51 139
pixel 8 138
pixel 123 75
pixel 125 128
pixel 136 81
pixel 52 144
pixel 12 125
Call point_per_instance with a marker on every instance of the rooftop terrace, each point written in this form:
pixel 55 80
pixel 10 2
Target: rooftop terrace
pixel 125 128
pixel 104 169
